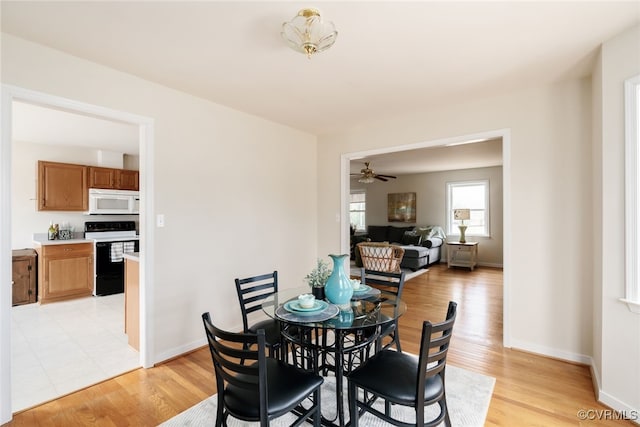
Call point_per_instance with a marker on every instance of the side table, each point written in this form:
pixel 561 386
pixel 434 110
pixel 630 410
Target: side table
pixel 462 254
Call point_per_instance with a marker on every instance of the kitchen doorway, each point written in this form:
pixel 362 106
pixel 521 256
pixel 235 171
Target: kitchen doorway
pixel 145 127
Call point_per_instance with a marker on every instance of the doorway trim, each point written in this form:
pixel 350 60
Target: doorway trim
pixel 505 135
pixel 146 140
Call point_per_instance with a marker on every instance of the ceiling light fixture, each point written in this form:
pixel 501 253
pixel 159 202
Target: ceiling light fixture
pixel 366 180
pixel 308 34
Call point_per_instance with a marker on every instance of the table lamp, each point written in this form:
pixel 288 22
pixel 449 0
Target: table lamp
pixel 461 215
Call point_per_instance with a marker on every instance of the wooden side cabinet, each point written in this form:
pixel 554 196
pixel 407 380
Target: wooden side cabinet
pixel 132 302
pixel 462 254
pixel 65 271
pixel 62 187
pixel 23 278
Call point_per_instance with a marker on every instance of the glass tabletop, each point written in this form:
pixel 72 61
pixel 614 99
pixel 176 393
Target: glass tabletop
pixel 366 310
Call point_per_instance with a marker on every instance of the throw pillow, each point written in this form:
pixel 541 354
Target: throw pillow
pixel 411 238
pixel 425 232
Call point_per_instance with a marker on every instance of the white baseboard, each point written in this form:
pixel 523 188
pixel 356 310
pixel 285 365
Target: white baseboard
pixel 480 264
pixel 619 406
pixel 601 396
pixel 611 401
pixel 179 351
pixel 186 348
pixel 551 352
pixel 489 264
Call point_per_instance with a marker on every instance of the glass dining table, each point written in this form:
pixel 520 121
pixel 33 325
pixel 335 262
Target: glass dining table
pixel 327 338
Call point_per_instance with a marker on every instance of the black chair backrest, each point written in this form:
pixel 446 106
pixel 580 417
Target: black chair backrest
pixel 393 281
pixel 434 346
pixel 228 349
pixel 252 291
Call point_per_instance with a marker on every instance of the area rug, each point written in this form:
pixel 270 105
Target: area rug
pixel 468 397
pixel 408 273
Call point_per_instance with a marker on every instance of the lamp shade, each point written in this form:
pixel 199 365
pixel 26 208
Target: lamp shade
pixel 461 214
pixel 308 33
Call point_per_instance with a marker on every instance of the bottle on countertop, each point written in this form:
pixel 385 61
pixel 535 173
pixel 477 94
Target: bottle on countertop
pixel 52 231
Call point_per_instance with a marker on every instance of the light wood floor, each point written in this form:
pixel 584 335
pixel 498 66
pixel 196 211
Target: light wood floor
pixel 530 390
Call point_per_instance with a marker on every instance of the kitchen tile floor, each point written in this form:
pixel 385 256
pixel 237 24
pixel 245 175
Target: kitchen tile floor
pixel 61 347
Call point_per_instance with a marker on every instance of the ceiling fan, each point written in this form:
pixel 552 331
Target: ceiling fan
pixel 367 175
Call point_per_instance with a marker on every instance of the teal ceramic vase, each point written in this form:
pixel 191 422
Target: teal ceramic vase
pixel 338 289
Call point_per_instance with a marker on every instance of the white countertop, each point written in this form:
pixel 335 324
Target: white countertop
pixel 42 239
pixel 132 256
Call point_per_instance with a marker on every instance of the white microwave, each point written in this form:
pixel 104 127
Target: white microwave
pixel 113 202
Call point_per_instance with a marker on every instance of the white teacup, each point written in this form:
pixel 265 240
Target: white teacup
pixel 306 300
pixel 355 283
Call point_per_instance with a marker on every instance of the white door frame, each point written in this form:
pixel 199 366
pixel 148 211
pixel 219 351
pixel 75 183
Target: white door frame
pixel 146 126
pixel 505 134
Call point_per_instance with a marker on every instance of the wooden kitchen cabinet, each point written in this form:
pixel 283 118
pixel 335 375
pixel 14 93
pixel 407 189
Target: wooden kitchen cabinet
pixel 23 277
pixel 62 187
pixel 110 178
pixel 128 180
pixel 102 177
pixel 65 271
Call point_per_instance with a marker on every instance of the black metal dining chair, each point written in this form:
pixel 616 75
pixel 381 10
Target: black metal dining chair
pixel 263 388
pixel 391 282
pixel 402 379
pixel 251 293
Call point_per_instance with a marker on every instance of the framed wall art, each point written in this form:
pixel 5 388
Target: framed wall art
pixel 401 207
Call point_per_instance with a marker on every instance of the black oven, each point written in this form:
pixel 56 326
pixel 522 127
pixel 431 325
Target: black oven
pixel 109 260
pixel 112 240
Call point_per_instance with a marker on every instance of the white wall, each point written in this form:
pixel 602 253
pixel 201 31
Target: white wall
pixel 26 219
pixel 223 180
pixel 431 190
pixel 550 302
pixel 131 162
pixel 617 358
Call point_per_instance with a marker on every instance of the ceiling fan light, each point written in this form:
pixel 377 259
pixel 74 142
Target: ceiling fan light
pixel 366 180
pixel 308 34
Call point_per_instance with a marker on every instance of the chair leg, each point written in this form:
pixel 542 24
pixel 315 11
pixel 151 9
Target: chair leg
pixel 419 416
pixel 220 417
pixel 445 408
pixel 273 350
pixel 353 405
pixel 317 415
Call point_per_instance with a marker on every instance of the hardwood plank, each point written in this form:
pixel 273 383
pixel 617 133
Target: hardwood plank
pixel 531 390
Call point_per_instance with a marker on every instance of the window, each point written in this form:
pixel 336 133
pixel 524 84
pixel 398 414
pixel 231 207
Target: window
pixel 632 193
pixel 357 210
pixel 472 195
